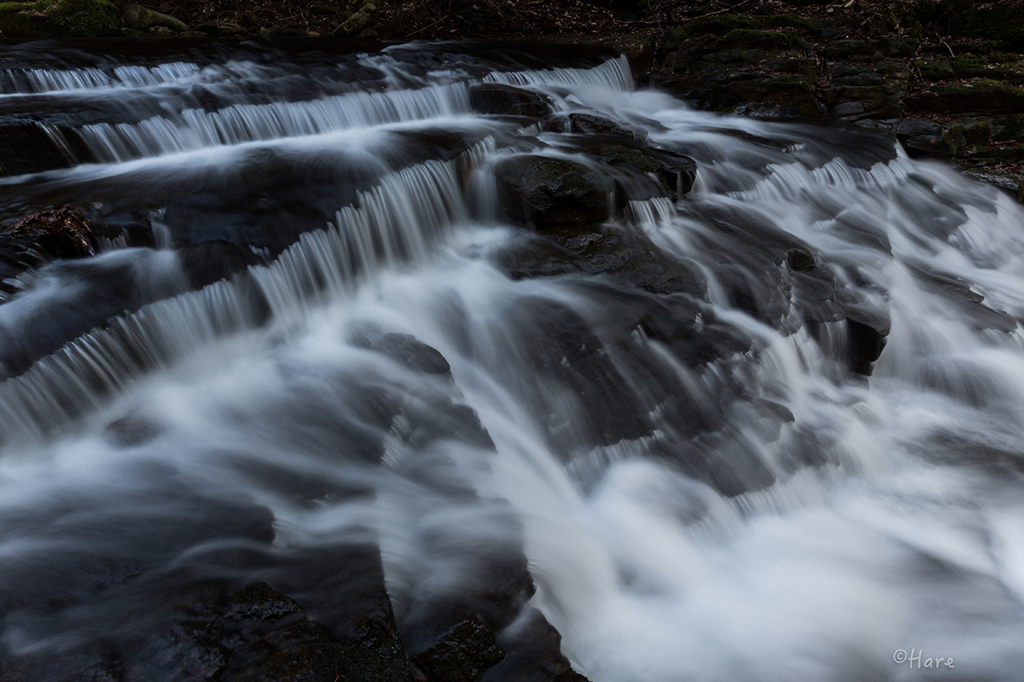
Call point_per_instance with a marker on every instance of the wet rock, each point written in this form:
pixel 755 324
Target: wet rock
pixel 35 147
pixel 63 232
pixel 404 349
pixel 213 261
pixel 559 344
pixel 462 654
pixel 968 303
pixel 133 429
pixel 585 124
pixel 546 192
pixel 622 253
pixel 533 653
pixel 674 172
pixel 343 587
pixel 59 19
pixel 508 100
pixel 920 135
pixel 255 635
pixel 143 18
pixel 867 328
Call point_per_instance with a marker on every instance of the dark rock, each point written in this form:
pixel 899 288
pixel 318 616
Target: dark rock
pixel 586 124
pixel 627 255
pixel 624 254
pixel 60 19
pixel 866 90
pixel 675 172
pixel 256 635
pixel 533 653
pixel 748 92
pixel 867 329
pixel 959 295
pixel 36 147
pixel 343 588
pixel 404 349
pixel 546 192
pixel 63 232
pixel 500 99
pixel 562 348
pixel 462 654
pixel 213 261
pixel 920 135
pixel 132 430
pixel 981 97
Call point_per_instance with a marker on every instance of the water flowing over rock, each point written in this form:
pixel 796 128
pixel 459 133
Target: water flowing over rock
pixel 476 363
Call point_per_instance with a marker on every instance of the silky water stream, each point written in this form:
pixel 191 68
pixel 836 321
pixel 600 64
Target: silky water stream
pixel 702 481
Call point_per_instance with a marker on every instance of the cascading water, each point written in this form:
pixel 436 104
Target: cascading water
pixel 665 419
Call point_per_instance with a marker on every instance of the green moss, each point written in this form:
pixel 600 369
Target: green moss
pixel 1001 153
pixel 904 46
pixel 735 57
pixel 967 62
pixel 1003 58
pixel 60 19
pixel 997 24
pixel 936 71
pixel 717 25
pixel 1010 127
pixel 757 39
pixel 953 140
pixel 979 132
pixel 798 65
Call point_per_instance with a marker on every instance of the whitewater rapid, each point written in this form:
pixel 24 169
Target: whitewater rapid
pixel 900 528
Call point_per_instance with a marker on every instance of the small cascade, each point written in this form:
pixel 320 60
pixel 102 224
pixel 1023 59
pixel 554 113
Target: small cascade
pixel 351 352
pixel 44 81
pixel 398 222
pixel 195 129
pixel 614 74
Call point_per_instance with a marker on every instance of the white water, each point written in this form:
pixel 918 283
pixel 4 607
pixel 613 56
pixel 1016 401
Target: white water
pixel 908 538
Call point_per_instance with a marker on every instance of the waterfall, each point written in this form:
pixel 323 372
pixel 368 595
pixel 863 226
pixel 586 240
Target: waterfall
pixel 758 420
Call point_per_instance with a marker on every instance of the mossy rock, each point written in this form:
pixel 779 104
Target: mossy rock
pixel 997 24
pixel 720 25
pixel 897 46
pixel 1003 58
pixel 983 96
pixel 979 132
pixel 60 19
pixel 798 66
pixel 953 140
pixel 1008 128
pixel 746 38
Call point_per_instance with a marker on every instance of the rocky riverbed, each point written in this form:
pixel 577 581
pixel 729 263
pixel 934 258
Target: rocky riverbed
pixel 948 89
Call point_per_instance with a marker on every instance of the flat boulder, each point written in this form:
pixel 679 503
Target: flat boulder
pixel 508 100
